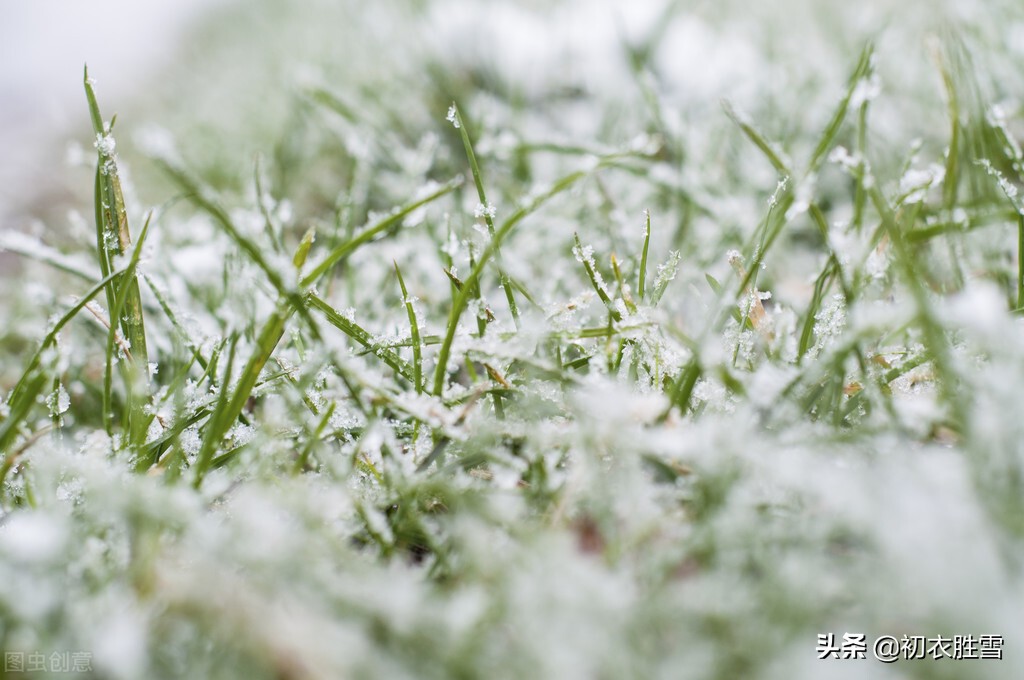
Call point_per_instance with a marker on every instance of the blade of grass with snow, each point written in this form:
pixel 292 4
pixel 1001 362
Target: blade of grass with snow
pixel 113 235
pixel 462 296
pixel 642 276
pixel 417 359
pixel 136 420
pixel 485 209
pixel 23 396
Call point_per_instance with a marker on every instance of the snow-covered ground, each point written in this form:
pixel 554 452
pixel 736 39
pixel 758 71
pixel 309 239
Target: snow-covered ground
pixel 721 387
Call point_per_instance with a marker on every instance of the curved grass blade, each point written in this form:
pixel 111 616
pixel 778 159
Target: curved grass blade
pixel 417 359
pixel 488 213
pixel 346 248
pixel 112 232
pixel 462 296
pixel 23 396
pixel 642 284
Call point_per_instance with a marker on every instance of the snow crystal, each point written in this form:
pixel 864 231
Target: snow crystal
pixel 585 255
pixel 1006 185
pixel 773 200
pixel 190 442
pixel 865 90
pixel 667 272
pixel 346 419
pixel 106 145
pixel 768 383
pixel 154 430
pixel 829 322
pixel 452 116
pixel 804 196
pixel 713 393
pixel 482 210
pixel 59 401
pixel 915 183
pixel 72 490
pixel 843 158
pixel 377 524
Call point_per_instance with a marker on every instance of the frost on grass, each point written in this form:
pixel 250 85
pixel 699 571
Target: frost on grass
pixel 691 482
pixel 105 144
pixel 482 210
pixel 453 116
pixel 59 401
pixel 915 182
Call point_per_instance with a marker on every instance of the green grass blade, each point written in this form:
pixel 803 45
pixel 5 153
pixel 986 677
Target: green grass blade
pixel 102 242
pixel 772 226
pixel 459 123
pixel 417 360
pixel 462 296
pixel 303 458
pixel 369 233
pixel 360 335
pixel 31 382
pixel 595 281
pixel 820 286
pixel 35 249
pixel 9 428
pixel 683 389
pixel 205 202
pixel 863 70
pixel 113 233
pixel 642 283
pixel 933 334
pixel 136 373
pixel 951 181
pixel 624 295
pixel 229 410
pixel 773 154
pixel 666 273
pixel 215 428
pixel 183 334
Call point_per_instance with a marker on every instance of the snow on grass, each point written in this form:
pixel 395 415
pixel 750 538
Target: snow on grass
pixel 585 375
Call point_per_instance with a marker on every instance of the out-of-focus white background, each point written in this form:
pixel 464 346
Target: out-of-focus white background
pixel 43 46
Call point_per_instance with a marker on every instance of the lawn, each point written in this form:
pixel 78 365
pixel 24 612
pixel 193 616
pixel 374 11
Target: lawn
pixel 465 339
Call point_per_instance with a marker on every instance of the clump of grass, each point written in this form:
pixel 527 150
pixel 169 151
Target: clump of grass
pixel 124 302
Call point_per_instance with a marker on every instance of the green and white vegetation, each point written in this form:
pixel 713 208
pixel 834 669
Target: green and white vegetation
pixel 543 340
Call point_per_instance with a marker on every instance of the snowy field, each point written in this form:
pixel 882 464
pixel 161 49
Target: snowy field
pixel 466 338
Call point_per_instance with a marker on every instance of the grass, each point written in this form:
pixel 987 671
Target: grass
pixel 668 389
